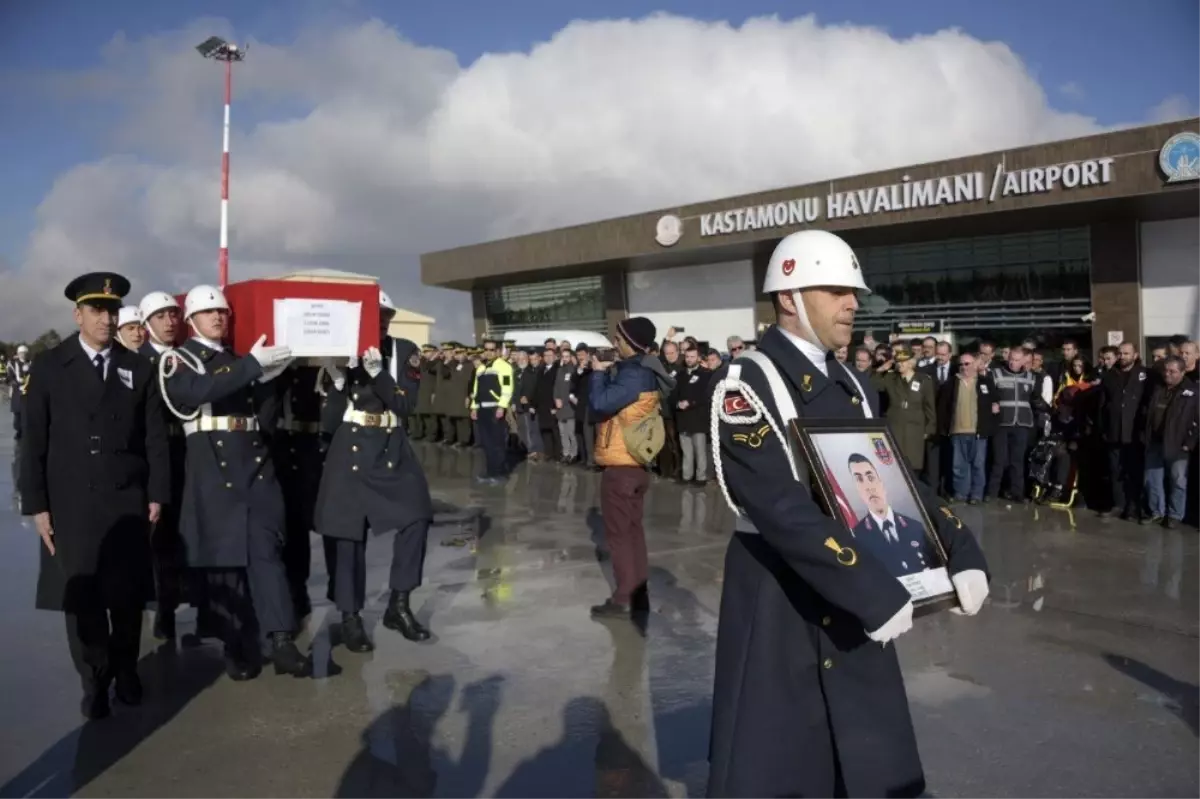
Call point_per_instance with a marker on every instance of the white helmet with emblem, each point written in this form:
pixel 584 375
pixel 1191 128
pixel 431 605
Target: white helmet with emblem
pixel 129 315
pixel 385 302
pixel 204 298
pixel 154 302
pixel 811 258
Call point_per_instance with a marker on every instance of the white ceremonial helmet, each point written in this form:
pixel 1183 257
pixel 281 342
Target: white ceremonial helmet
pixel 22 350
pixel 204 298
pixel 811 258
pixel 154 302
pixel 129 314
pixel 385 301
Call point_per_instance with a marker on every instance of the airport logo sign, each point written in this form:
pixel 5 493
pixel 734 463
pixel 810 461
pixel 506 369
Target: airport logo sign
pixel 669 230
pixel 968 187
pixel 1179 158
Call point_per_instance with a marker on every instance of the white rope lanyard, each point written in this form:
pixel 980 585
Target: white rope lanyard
pixel 168 363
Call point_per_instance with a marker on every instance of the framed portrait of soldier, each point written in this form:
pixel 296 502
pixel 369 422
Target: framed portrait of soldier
pixel 863 482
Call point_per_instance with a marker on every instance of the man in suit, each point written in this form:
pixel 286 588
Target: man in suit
pixel 898 541
pixel 937 446
pixel 95 473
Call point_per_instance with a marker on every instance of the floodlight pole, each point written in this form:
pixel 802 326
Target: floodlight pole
pixel 223 51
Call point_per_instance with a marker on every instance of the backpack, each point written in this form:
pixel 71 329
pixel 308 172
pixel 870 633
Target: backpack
pixel 645 438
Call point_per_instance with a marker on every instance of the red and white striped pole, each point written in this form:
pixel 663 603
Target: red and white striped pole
pixel 223 254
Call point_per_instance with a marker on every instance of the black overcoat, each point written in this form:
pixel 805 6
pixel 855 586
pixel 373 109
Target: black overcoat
pixel 298 444
pixel 167 542
pixel 804 704
pixel 543 398
pixel 94 455
pixel 372 478
pixel 231 486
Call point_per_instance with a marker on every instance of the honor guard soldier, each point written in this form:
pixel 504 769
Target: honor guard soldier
pixel 130 333
pixel 373 481
pixel 18 381
pixel 94 476
pixel 808 698
pixel 233 512
pixel 299 451
pixel 490 399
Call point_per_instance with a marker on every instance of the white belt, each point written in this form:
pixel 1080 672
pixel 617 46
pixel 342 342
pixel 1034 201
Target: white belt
pixel 743 525
pixel 386 420
pixel 489 404
pixel 222 424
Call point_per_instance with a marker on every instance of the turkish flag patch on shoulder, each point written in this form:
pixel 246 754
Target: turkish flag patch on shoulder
pixel 736 403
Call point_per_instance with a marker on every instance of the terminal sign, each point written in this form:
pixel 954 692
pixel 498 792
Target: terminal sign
pixel 918 328
pixel 968 187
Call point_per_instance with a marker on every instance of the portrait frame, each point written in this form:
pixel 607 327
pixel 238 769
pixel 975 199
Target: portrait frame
pixel 929 585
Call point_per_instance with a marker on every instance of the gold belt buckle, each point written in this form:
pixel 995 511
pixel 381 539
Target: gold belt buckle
pixel 372 420
pixel 237 423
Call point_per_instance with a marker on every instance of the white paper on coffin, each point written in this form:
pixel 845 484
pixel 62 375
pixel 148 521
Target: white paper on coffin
pixel 318 328
pixel 928 583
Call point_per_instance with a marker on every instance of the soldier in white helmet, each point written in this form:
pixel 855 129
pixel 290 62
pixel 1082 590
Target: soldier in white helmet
pixel 129 328
pixel 233 509
pixel 164 322
pixel 808 698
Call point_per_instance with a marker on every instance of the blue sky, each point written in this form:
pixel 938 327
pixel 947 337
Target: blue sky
pixel 1111 59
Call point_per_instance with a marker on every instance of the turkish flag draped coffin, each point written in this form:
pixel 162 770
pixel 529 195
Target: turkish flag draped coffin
pixel 252 306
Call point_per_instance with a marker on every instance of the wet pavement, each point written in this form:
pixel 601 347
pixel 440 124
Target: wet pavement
pixel 1078 678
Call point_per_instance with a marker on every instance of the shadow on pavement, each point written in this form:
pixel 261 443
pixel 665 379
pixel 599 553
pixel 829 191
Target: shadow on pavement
pixel 1183 699
pixel 87 752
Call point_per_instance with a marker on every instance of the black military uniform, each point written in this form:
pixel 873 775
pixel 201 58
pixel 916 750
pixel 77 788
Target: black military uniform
pixel 95 460
pixel 298 448
pixel 804 703
pixel 166 546
pixel 233 510
pixel 372 480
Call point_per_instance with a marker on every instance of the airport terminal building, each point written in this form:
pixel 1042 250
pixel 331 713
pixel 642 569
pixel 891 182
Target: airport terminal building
pixel 1096 238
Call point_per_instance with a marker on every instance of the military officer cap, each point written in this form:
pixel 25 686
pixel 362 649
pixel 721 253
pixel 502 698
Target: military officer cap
pixel 101 289
pixel 495 342
pixel 459 348
pixel 510 342
pixel 902 355
pixel 447 345
pixel 428 348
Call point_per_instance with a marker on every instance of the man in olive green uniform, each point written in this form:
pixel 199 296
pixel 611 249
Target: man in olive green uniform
pixel 417 423
pixel 911 412
pixel 442 402
pixel 461 376
pixel 431 376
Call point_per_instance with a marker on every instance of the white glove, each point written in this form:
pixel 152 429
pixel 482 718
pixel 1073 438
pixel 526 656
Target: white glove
pixel 372 362
pixel 895 626
pixel 335 372
pixel 268 357
pixel 972 588
pixel 272 372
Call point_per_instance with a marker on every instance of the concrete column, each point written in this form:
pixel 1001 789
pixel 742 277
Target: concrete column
pixel 1116 289
pixel 616 306
pixel 479 313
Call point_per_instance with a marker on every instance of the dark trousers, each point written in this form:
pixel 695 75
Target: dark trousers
pixel 255 600
pixel 16 461
pixel 1125 476
pixel 346 561
pixel 297 563
pixel 493 437
pixel 429 421
pixel 587 442
pixel 670 459
pixel 1009 445
pixel 938 456
pixel 103 642
pixel 622 499
pixel 462 430
pixel 449 432
pixel 168 557
pixel 551 445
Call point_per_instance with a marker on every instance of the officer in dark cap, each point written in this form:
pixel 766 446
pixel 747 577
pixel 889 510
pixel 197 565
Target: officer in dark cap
pixel 95 473
pixel 373 481
pixel 233 519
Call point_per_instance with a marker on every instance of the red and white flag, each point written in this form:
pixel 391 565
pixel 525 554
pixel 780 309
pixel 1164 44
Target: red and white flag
pixel 843 504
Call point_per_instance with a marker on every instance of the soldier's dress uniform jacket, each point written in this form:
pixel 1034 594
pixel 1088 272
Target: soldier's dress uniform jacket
pixel 905 551
pixel 166 542
pixel 804 703
pixel 94 455
pixel 372 477
pixel 911 413
pixel 231 486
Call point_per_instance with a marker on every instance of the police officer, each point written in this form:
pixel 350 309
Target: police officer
pixel 372 480
pixel 806 701
pixel 94 476
pixel 233 512
pixel 298 448
pixel 490 398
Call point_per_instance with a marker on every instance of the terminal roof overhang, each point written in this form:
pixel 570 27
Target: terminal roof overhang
pixel 1137 191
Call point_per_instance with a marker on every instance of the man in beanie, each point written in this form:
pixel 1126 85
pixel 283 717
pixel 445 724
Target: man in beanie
pixel 625 387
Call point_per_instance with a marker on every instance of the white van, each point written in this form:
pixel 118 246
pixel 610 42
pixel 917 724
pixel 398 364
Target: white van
pixel 536 339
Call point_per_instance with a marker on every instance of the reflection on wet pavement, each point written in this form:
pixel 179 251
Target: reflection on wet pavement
pixel 1079 678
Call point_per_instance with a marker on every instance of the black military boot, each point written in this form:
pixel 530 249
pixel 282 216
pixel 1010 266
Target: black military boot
pixel 95 698
pixel 399 617
pixel 287 657
pixel 129 686
pixel 354 634
pixel 238 667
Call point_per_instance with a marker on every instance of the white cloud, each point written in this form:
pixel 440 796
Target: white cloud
pixel 355 148
pixel 1072 90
